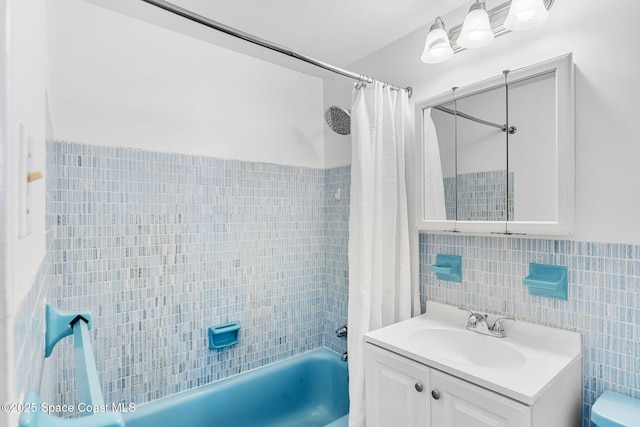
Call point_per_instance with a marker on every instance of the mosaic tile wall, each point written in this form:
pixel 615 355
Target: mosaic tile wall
pixel 480 196
pixel 336 275
pixel 28 337
pixel 161 246
pixel 603 304
pixel 450 197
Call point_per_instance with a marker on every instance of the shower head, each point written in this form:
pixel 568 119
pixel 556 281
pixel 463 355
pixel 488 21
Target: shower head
pixel 338 119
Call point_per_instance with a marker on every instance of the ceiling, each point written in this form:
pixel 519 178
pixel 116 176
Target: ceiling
pixel 335 31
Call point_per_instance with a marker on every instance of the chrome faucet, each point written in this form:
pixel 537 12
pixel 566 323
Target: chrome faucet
pixel 342 331
pixel 478 323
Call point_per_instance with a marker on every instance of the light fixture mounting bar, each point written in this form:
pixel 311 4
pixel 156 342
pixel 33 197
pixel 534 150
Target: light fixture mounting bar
pixel 497 15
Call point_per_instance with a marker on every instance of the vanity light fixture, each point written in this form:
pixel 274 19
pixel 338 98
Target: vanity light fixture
pixel 476 29
pixel 481 27
pixel 525 14
pixel 437 48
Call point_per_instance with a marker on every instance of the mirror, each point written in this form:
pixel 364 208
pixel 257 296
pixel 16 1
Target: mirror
pixel 439 175
pixel 531 152
pixel 498 156
pixel 481 170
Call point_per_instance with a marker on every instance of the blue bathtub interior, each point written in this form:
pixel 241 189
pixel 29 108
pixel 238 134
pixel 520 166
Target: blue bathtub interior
pixel 310 390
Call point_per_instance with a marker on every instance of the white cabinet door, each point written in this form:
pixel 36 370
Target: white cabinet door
pixel 396 390
pixel 457 403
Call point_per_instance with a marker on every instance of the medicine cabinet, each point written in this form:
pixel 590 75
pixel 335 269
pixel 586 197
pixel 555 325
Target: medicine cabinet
pixel 498 156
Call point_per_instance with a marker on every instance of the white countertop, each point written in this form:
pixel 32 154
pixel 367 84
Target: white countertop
pixel 548 352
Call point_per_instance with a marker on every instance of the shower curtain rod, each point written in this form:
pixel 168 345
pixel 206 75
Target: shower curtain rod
pixel 503 128
pixel 177 10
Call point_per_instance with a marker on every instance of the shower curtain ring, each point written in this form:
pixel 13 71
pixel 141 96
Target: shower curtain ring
pixel 409 90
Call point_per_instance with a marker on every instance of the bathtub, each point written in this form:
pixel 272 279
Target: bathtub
pixel 308 390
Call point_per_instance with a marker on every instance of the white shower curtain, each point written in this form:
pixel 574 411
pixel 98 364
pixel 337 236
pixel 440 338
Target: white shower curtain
pixel 434 207
pixel 380 289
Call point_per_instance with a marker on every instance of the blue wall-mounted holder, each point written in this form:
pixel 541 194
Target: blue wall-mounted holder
pixel 448 267
pixel 547 281
pixel 222 336
pixel 60 324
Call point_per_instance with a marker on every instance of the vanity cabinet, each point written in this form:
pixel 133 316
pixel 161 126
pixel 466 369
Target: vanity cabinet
pixel 431 371
pixel 397 390
pixel 402 392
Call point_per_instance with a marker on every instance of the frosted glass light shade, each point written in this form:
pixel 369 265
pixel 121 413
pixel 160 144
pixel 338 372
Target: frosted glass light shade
pixel 525 14
pixel 476 29
pixel 437 47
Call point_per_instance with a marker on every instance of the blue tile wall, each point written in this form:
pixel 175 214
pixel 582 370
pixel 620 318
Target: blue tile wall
pixel 450 197
pixel 336 272
pixel 161 246
pixel 603 304
pixel 480 196
pixel 28 336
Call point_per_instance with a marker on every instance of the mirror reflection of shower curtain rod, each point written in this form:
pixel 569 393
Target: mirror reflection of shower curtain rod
pixel 202 20
pixel 503 128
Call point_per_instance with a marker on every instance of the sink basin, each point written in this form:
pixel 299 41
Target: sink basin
pixel 467 347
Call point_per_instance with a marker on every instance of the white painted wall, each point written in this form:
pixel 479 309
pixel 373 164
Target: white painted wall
pixel 4 303
pixel 337 148
pixel 120 81
pixel 601 37
pixel 23 80
pixel 27 65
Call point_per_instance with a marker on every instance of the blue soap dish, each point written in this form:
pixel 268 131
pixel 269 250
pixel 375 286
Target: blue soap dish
pixel 222 336
pixel 547 281
pixel 448 267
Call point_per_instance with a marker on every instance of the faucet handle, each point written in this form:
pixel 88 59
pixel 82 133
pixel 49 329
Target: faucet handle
pixel 472 320
pixel 342 331
pixel 497 325
pixel 474 317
